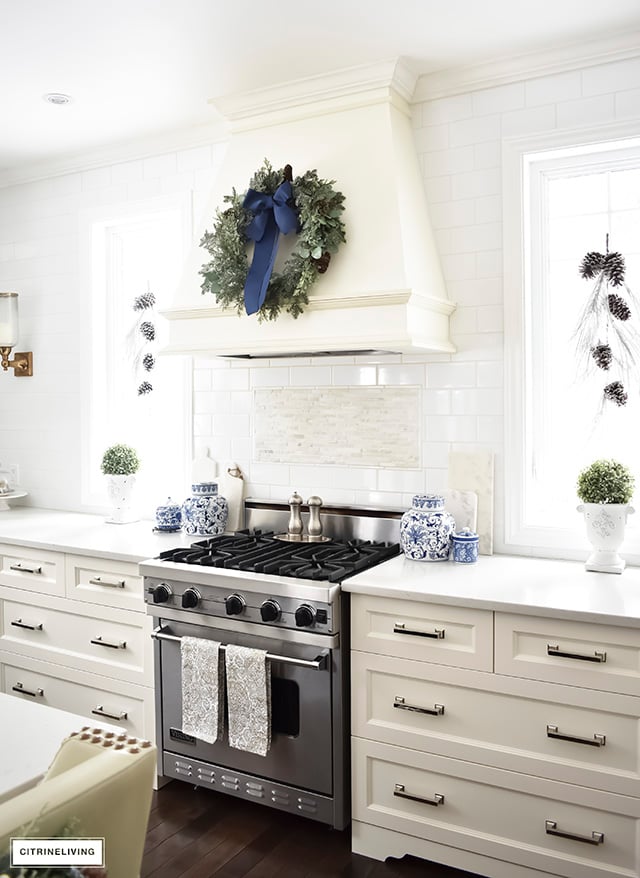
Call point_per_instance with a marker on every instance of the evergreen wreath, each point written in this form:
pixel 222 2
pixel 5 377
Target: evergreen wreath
pixel 320 232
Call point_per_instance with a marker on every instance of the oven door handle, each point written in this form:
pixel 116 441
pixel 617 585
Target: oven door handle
pixel 317 664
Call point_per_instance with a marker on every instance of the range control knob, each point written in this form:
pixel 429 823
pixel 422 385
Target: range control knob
pixel 234 604
pixel 161 593
pixel 270 611
pixel 190 598
pixel 305 616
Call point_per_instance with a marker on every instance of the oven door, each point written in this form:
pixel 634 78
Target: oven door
pixel 301 740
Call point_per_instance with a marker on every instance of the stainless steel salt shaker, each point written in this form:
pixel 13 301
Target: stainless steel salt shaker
pixel 295 519
pixel 314 527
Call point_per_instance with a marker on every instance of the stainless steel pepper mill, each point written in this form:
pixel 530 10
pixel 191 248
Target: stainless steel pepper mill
pixel 314 528
pixel 295 519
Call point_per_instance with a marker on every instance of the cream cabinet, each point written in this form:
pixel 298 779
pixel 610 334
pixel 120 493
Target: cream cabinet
pixel 74 635
pixel 510 751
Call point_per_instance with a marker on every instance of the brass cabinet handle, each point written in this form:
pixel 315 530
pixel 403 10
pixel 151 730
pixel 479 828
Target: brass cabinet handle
pixel 436 634
pixel 18 623
pixel 436 710
pixel 99 710
pixel 112 644
pixel 438 798
pixel 109 583
pixel 20 688
pixel 596 741
pixel 599 657
pixel 551 828
pixel 21 568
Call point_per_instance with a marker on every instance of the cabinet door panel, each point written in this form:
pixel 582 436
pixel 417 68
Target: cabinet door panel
pixel 565 830
pixel 553 731
pixel 455 636
pixel 561 651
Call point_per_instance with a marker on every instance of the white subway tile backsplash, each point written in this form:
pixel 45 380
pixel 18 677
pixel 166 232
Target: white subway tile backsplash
pixel 607 78
pixel 490 374
pixel 159 166
pixel 627 103
pixel 127 172
pixel 476 184
pixel 230 379
pixel 197 158
pixel 401 481
pixel 529 121
pixel 463 321
pixel 476 401
pixel 354 375
pixel 489 209
pixel 553 89
pixel 477 291
pixel 453 213
pixel 212 402
pixel 487 155
pixel 432 137
pixel 451 375
pixel 477 238
pixel 490 318
pixel 310 376
pixel 477 130
pixel 448 161
pixel 201 379
pixel 437 189
pixel 435 455
pixel 401 374
pixel 98 178
pixel 451 428
pixel 436 402
pixel 587 111
pixel 276 376
pixel 270 473
pixel 498 99
pixel 447 109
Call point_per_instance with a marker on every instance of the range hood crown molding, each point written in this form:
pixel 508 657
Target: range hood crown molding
pixel 384 290
pixel 344 89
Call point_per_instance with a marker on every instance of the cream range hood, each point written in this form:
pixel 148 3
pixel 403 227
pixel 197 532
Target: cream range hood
pixel 384 289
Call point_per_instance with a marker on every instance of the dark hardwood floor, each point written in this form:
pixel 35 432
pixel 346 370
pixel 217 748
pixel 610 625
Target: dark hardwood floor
pixel 196 833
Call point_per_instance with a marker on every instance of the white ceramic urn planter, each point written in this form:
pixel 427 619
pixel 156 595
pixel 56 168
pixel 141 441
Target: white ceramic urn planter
pixel 605 524
pixel 120 491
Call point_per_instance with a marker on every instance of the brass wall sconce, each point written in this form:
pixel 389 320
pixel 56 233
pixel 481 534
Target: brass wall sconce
pixel 22 362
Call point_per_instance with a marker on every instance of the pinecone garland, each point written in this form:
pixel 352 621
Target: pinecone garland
pixel 601 353
pixel 616 393
pixel 322 263
pixel 146 300
pixel 148 330
pixel 591 264
pixel 145 388
pixel 618 307
pixel 148 362
pixel 614 269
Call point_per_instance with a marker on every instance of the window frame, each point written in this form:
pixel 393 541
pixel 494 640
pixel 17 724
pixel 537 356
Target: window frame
pixel 521 214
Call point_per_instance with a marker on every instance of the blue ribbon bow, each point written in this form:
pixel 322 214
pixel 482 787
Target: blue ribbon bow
pixel 272 216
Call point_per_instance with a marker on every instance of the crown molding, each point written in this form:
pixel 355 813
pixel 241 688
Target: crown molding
pixel 447 83
pixel 386 81
pixel 125 151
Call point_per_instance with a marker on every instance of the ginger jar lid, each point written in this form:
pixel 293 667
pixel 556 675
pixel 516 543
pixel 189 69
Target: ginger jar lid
pixel 204 489
pixel 428 501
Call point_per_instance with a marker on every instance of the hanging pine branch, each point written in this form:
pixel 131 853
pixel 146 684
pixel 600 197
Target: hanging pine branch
pixel 606 337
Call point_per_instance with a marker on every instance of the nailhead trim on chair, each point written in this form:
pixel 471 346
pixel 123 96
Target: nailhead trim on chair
pixel 110 739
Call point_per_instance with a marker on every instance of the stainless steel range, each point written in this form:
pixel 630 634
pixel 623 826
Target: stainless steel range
pixel 255 589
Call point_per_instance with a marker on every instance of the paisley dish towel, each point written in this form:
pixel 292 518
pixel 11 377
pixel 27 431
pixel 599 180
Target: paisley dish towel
pixel 202 689
pixel 248 699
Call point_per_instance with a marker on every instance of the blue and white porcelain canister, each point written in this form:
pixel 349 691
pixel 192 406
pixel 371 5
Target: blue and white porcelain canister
pixel 205 512
pixel 169 516
pixel 465 546
pixel 426 529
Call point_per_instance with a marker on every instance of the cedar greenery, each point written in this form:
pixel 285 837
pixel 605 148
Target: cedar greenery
pixel 605 481
pixel 120 460
pixel 321 231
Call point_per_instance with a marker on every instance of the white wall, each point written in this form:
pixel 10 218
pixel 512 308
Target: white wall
pixel 459 140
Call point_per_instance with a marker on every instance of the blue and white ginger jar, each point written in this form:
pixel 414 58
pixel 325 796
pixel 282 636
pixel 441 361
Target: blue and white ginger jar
pixel 169 516
pixel 204 513
pixel 426 529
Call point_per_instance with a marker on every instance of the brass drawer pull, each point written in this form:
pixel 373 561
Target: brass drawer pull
pixel 436 634
pixel 18 623
pixel 596 741
pixel 599 657
pixel 20 688
pixel 112 644
pixel 551 828
pixel 438 799
pixel 436 710
pixel 99 710
pixel 109 583
pixel 21 568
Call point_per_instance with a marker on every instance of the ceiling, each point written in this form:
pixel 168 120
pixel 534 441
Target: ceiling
pixel 142 68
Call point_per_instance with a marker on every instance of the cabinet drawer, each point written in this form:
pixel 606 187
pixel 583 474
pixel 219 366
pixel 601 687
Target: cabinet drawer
pixel 427 632
pixel 117 644
pixel 562 651
pixel 35 570
pixel 85 694
pixel 512 817
pixel 553 731
pixel 106 582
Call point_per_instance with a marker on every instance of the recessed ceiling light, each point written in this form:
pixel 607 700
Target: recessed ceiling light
pixel 57 98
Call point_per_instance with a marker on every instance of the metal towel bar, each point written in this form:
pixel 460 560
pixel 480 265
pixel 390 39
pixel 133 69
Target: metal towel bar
pixel 317 664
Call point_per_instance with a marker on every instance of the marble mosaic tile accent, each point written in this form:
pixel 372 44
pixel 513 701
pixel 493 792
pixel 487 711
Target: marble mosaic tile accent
pixel 352 426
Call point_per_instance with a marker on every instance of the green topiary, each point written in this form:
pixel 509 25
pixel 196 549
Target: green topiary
pixel 605 481
pixel 120 460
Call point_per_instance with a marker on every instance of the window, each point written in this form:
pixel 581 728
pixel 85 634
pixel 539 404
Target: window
pixel 570 200
pixel 135 249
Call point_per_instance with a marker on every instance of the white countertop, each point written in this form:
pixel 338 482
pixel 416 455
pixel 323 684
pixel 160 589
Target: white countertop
pixel 81 534
pixel 511 584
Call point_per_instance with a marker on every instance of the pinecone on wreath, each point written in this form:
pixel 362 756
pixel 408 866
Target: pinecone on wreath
pixel 145 388
pixel 591 264
pixel 148 330
pixel 145 301
pixel 618 307
pixel 602 355
pixel 148 362
pixel 613 268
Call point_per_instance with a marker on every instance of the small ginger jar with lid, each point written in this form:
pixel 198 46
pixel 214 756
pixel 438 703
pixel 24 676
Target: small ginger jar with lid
pixel 426 529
